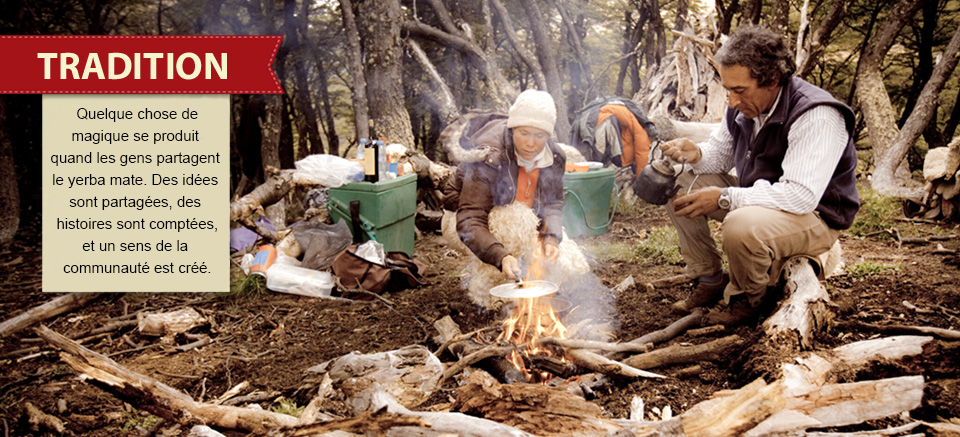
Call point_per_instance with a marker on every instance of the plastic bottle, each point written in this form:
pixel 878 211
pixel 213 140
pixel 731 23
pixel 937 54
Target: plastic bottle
pixel 361 149
pixel 381 160
pixel 290 279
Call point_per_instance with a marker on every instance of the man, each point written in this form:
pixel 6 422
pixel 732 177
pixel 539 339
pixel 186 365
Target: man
pixel 522 165
pixel 795 185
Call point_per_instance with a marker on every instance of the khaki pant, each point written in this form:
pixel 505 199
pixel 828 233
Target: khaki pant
pixel 756 240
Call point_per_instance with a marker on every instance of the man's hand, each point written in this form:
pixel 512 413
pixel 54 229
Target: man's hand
pixel 510 267
pixel 680 149
pixel 697 203
pixel 551 251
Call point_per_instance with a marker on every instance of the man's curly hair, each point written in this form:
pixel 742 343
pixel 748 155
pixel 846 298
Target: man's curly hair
pixel 762 51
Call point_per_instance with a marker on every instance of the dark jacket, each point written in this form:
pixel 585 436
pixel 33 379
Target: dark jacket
pixel 763 158
pixel 493 182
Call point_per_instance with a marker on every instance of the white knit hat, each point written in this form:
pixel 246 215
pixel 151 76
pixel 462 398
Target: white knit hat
pixel 533 108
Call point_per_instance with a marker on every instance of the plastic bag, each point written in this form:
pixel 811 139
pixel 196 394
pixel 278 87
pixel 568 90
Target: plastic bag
pixel 327 170
pixel 372 251
pixel 321 242
pixel 289 279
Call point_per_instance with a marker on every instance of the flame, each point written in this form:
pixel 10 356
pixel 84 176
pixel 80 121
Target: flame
pixel 532 319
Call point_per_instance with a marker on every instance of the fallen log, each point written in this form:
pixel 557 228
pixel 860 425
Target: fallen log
pixel 595 345
pixel 40 421
pixel 944 334
pixel 601 364
pixel 473 358
pixel 266 194
pixel 385 416
pixel 666 282
pixel 465 347
pixel 532 408
pixel 679 354
pixel 60 305
pixel 148 394
pixel 803 311
pixel 675 329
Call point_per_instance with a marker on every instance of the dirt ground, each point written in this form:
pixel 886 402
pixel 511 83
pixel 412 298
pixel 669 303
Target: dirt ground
pixel 270 339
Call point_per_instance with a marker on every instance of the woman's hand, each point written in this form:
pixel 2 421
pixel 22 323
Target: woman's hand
pixel 510 267
pixel 551 251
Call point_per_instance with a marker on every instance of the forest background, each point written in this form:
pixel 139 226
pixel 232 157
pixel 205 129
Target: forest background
pixel 410 67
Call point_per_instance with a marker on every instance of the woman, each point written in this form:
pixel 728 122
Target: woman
pixel 522 165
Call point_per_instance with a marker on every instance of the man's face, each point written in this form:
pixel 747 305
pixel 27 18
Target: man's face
pixel 529 141
pixel 745 95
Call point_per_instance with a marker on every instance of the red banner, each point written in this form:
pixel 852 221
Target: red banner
pixel 139 64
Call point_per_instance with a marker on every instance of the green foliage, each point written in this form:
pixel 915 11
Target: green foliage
pixel 133 419
pixel 866 269
pixel 288 407
pixel 246 285
pixel 662 245
pixel 877 212
pixel 659 246
pixel 605 251
pixel 632 205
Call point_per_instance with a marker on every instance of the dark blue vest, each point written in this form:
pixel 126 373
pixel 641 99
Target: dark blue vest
pixel 763 157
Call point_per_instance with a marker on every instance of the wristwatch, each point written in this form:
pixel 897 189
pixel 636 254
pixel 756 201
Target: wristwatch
pixel 724 200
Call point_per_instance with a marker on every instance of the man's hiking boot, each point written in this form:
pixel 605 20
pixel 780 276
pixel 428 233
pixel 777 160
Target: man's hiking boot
pixel 739 311
pixel 705 294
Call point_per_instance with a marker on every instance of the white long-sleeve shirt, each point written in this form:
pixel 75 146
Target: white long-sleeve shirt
pixel 815 144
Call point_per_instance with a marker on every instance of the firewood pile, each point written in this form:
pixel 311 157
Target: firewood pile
pixel 686 86
pixel 942 198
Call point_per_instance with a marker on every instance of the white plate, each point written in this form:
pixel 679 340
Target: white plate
pixel 525 289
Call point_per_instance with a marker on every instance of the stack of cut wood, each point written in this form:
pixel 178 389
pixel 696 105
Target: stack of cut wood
pixel 686 86
pixel 941 200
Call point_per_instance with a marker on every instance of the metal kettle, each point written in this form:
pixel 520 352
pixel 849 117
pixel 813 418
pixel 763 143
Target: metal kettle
pixel 657 182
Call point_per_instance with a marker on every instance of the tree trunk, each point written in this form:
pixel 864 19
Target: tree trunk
pixel 306 115
pixel 681 17
pixel 355 67
pixel 510 32
pixel 580 74
pixel 333 139
pixel 951 127
pixel 919 118
pixel 725 15
pixel 270 145
pixel 285 147
pixel 442 98
pixel 780 17
pixel 656 45
pixel 871 93
pixel 924 57
pixel 501 93
pixel 380 30
pixel 752 11
pixel 820 38
pixel 632 33
pixel 9 188
pixel 545 53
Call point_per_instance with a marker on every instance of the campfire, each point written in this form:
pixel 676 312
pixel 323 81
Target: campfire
pixel 534 317
pixel 532 320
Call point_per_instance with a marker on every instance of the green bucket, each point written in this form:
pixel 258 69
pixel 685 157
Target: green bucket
pixel 586 202
pixel 386 211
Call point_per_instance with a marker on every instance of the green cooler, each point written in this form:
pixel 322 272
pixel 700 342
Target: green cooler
pixel 586 202
pixel 385 211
